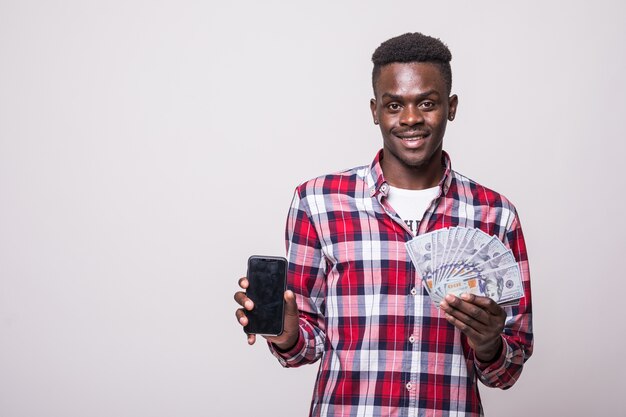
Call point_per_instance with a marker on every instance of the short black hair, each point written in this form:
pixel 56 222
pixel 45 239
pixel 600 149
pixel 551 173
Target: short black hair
pixel 413 47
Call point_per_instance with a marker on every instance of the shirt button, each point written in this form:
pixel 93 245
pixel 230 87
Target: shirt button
pixel 412 339
pixel 409 386
pixel 413 291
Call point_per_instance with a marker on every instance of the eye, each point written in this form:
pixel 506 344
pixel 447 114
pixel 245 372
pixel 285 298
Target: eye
pixel 427 105
pixel 393 106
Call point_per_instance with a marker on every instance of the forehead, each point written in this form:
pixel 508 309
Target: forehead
pixel 410 78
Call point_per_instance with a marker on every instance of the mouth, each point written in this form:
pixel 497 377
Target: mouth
pixel 412 136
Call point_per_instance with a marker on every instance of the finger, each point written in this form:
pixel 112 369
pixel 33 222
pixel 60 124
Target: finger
pixel 243 282
pixel 485 303
pixel 469 311
pixel 243 300
pixel 251 339
pixel 241 317
pixel 484 345
pixel 469 331
pixel 291 308
pixel 291 331
pixel 462 320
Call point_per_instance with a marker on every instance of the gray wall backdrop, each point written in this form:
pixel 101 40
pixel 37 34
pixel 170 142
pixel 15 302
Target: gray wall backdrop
pixel 147 148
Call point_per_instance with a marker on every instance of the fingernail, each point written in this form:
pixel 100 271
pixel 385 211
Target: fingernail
pixel 249 305
pixel 450 297
pixel 242 321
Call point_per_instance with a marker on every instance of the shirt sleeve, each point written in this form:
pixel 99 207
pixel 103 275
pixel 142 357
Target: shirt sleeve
pixel 517 336
pixel 306 277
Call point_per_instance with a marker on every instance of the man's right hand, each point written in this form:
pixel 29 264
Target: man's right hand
pixel 288 338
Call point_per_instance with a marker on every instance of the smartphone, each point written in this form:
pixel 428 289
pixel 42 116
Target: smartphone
pixel 267 282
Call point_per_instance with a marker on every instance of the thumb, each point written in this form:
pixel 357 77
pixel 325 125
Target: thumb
pixel 291 308
pixel 291 332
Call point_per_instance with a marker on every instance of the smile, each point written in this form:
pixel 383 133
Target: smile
pixel 412 138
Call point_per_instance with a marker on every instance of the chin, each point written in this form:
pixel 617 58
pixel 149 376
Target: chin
pixel 416 162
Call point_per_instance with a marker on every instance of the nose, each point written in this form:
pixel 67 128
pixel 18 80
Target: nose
pixel 411 116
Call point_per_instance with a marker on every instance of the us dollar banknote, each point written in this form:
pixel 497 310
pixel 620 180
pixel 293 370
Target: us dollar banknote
pixel 459 260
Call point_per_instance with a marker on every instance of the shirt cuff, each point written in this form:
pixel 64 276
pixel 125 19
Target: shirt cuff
pixel 284 356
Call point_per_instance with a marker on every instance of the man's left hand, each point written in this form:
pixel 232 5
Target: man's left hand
pixel 481 319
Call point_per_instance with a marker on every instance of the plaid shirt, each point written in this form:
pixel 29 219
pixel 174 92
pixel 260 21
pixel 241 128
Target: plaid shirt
pixel 385 349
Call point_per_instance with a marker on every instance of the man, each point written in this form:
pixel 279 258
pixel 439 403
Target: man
pixel 356 302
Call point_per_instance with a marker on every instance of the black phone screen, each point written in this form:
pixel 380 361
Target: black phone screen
pixel 267 278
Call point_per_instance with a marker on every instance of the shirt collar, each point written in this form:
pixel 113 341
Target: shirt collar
pixel 379 186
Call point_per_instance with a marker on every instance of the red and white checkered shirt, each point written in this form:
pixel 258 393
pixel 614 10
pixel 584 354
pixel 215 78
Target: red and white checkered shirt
pixel 385 349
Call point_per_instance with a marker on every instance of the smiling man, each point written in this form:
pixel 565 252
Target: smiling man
pixel 355 301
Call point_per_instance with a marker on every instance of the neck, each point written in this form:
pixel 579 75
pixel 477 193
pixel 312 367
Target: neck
pixel 409 177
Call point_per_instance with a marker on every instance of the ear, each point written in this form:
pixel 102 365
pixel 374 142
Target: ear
pixel 453 102
pixel 373 110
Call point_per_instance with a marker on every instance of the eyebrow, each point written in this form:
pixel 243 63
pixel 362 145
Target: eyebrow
pixel 419 96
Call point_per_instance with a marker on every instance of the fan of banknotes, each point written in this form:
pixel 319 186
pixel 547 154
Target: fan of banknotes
pixel 461 260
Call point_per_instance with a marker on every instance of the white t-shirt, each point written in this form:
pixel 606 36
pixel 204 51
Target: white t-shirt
pixel 411 204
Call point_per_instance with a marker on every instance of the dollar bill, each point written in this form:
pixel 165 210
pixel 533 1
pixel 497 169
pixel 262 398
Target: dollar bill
pixel 498 261
pixel 459 260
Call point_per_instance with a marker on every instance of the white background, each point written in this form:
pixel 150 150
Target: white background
pixel 147 148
